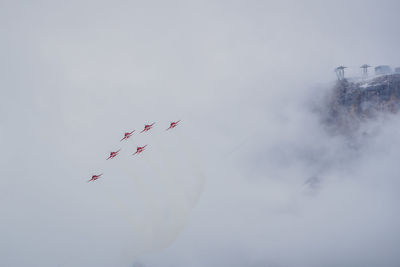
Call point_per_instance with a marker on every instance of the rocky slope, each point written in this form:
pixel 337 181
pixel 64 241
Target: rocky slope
pixel 352 101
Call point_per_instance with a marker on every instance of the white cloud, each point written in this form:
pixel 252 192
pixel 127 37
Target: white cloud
pixel 229 186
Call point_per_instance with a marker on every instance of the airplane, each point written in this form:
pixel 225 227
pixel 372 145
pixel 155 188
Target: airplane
pixel 113 154
pixel 173 125
pixel 95 177
pixel 147 127
pixel 139 149
pixel 127 135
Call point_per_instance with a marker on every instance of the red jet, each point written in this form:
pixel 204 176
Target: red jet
pixel 173 124
pixel 95 177
pixel 147 127
pixel 113 154
pixel 127 135
pixel 139 149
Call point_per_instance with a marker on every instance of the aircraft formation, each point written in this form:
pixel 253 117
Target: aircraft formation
pixel 139 149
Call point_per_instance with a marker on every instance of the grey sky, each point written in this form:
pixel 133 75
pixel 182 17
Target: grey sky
pixel 229 186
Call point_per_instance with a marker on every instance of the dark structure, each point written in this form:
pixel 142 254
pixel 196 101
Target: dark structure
pixel 365 69
pixel 340 72
pixel 397 70
pixel 382 69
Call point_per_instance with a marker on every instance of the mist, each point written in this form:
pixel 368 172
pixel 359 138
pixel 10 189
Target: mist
pixel 251 177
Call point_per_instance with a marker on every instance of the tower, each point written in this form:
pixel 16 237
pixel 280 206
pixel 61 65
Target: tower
pixel 365 69
pixel 340 72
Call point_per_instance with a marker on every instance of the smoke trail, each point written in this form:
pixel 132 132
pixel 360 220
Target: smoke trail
pixel 162 204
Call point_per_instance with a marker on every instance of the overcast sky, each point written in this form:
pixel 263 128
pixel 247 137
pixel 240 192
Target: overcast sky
pixel 249 178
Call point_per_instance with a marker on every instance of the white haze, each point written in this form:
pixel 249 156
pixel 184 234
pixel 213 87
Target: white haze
pixel 250 178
